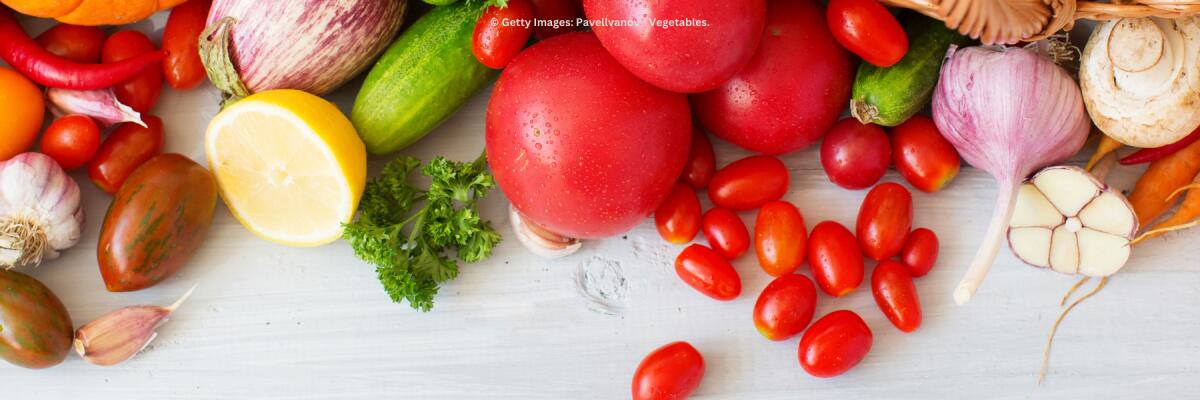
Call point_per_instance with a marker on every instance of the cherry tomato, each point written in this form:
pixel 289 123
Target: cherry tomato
pixel 835 344
pixel 884 220
pixel 835 260
pixel 71 141
pixel 896 295
pixel 80 44
pixel 501 33
pixel 671 372
pixel 550 11
pixel 920 252
pixel 868 29
pixel 678 217
pixel 855 155
pixel 785 307
pixel 726 232
pixel 702 161
pixel 182 66
pixel 749 183
pixel 923 156
pixel 128 146
pixel 780 238
pixel 141 92
pixel 706 271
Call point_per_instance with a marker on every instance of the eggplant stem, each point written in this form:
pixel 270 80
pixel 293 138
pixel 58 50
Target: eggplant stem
pixel 1072 290
pixel 1054 328
pixel 214 54
pixel 986 254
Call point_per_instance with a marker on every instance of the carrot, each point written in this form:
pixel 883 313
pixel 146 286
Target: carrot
pixel 1186 216
pixel 1107 145
pixel 1152 194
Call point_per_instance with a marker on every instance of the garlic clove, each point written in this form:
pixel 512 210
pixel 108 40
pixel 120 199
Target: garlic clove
pixel 1110 213
pixel 1065 190
pixel 1102 254
pixel 540 241
pixel 1033 209
pixel 119 335
pixel 1029 244
pixel 1064 251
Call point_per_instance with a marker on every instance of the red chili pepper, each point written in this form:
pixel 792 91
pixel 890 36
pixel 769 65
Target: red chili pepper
pixel 26 56
pixel 1154 154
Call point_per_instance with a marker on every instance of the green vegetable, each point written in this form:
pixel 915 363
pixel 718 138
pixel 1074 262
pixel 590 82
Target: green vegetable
pixel 426 75
pixel 889 96
pixel 408 233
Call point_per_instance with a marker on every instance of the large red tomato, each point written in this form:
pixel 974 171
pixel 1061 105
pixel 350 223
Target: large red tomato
pixel 578 144
pixel 681 58
pixel 791 92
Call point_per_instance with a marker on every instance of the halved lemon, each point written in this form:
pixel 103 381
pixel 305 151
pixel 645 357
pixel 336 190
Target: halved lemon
pixel 289 164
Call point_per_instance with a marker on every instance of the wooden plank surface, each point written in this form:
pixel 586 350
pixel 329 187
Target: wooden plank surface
pixel 270 322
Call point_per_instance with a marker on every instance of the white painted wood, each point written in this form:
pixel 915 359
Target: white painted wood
pixel 270 322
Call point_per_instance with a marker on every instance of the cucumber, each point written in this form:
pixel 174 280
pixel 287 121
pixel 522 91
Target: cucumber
pixel 888 96
pixel 426 75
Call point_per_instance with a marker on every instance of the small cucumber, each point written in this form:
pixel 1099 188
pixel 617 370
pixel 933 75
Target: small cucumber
pixel 426 75
pixel 888 96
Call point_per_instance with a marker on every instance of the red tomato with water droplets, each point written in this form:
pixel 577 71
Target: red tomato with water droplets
pixel 71 141
pixel 182 66
pixel 583 166
pixel 128 147
pixel 835 259
pixel 500 33
pixel 896 295
pixel 549 11
pixel 80 44
pixel 726 232
pixel 868 29
pixel 785 307
pixel 835 344
pixel 884 220
pixel 678 217
pixel 702 161
pixel 855 155
pixel 707 272
pixel 671 372
pixel 922 155
pixel 920 252
pixel 141 92
pixel 749 183
pixel 780 238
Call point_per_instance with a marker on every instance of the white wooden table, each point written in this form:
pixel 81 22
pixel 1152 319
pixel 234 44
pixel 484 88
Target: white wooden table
pixel 271 322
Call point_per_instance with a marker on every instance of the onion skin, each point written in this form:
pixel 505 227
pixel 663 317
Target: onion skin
pixel 310 45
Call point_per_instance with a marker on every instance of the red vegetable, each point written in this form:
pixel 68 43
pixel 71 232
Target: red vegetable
pixel 855 155
pixel 702 161
pixel 867 29
pixel 725 232
pixel 128 147
pixel 884 220
pixel 920 252
pixel 678 217
pixel 785 307
pixel 671 372
pixel 501 33
pixel 71 141
pixel 896 295
pixel 748 183
pixel 140 92
pixel 707 272
pixel 1154 154
pixel 549 11
pixel 834 344
pixel 182 67
pixel 922 155
pixel 835 259
pixel 41 66
pixel 792 90
pixel 80 44
pixel 780 238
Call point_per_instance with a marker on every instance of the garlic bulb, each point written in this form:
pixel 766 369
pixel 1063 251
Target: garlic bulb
pixel 40 210
pixel 540 241
pixel 1139 79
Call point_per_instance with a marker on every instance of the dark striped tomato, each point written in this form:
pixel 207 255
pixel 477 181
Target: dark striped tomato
pixel 35 329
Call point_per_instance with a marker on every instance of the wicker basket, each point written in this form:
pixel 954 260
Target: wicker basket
pixel 1010 21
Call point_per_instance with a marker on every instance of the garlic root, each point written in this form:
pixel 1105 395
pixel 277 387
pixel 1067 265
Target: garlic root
pixel 539 240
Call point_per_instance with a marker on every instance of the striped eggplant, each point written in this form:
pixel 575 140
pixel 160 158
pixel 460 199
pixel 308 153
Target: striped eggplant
pixel 35 329
pixel 310 45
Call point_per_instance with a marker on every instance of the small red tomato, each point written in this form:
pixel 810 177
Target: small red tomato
pixel 780 238
pixel 128 146
pixel 920 252
pixel 726 232
pixel 835 259
pixel 896 295
pixel 80 44
pixel 702 161
pixel 502 32
pixel 551 13
pixel 671 372
pixel 141 92
pixel 867 29
pixel 834 344
pixel 678 217
pixel 884 220
pixel 71 141
pixel 924 158
pixel 709 273
pixel 855 155
pixel 785 307
pixel 748 183
pixel 182 66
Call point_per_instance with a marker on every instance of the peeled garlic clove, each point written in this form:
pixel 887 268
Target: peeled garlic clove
pixel 1111 213
pixel 1033 209
pixel 538 240
pixel 1064 251
pixel 119 335
pixel 1029 244
pixel 1101 254
pixel 1068 194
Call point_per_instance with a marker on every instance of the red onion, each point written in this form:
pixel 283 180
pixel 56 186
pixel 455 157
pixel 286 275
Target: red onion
pixel 1010 112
